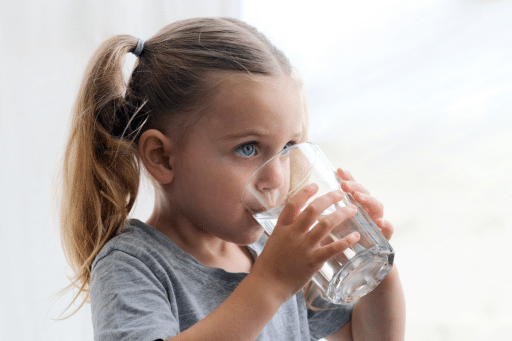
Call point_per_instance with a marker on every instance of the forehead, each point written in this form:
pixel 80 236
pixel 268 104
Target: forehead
pixel 268 106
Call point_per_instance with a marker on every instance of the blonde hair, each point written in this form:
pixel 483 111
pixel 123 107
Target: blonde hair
pixel 169 82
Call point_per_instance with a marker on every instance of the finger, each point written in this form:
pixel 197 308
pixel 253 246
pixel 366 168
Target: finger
pixel 292 208
pixel 385 227
pixel 313 211
pixel 372 206
pixel 345 175
pixel 325 253
pixel 353 187
pixel 327 223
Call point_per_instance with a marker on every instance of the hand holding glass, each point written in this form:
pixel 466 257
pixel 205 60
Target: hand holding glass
pixel 349 275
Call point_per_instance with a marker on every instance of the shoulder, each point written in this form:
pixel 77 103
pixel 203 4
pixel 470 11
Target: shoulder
pixel 138 243
pixel 131 286
pixel 139 258
pixel 132 240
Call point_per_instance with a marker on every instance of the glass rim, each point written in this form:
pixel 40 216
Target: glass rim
pixel 273 157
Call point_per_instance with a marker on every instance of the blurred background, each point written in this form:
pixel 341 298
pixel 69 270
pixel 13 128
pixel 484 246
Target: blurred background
pixel 414 98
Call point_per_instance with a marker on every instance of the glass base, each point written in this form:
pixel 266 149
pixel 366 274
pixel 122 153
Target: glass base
pixel 360 276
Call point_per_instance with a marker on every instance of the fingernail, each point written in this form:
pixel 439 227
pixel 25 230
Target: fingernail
pixel 354 237
pixel 312 187
pixel 339 195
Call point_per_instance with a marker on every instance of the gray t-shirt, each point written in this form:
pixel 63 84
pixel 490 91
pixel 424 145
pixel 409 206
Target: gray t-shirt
pixel 145 288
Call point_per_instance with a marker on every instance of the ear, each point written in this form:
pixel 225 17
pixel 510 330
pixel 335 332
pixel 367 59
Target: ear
pixel 156 152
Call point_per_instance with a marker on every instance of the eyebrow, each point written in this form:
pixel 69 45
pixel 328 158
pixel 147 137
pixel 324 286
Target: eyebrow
pixel 245 133
pixel 258 133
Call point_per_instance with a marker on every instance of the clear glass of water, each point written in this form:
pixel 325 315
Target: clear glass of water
pixel 349 275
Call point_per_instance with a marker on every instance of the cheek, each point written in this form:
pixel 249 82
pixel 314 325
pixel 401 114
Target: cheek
pixel 219 189
pixel 230 189
pixel 221 204
pixel 215 182
pixel 229 178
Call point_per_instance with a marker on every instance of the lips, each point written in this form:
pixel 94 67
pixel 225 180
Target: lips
pixel 254 205
pixel 256 210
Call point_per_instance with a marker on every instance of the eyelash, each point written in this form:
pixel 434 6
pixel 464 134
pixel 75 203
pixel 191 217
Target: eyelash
pixel 240 147
pixel 290 143
pixel 255 144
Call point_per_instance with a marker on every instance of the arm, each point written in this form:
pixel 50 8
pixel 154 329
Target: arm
pixel 278 273
pixel 242 316
pixel 380 315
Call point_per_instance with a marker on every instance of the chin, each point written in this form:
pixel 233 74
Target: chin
pixel 252 236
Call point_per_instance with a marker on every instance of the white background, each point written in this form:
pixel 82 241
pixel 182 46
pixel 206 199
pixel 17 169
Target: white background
pixel 412 97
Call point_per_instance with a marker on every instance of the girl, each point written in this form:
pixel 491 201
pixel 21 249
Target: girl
pixel 208 101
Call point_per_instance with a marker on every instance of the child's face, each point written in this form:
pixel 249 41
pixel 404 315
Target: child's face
pixel 248 121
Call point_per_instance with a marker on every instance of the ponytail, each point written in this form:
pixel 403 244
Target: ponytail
pixel 101 170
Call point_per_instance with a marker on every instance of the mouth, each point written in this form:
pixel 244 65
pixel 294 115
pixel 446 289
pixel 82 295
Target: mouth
pixel 265 203
pixel 256 210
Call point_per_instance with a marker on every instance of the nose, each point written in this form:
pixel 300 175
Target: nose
pixel 274 175
pixel 269 186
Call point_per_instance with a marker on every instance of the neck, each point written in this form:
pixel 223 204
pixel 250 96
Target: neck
pixel 206 248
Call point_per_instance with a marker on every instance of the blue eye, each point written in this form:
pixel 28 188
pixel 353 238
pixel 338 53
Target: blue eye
pixel 246 150
pixel 288 145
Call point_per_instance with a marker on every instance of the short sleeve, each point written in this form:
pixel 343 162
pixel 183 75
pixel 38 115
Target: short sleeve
pixel 328 319
pixel 128 302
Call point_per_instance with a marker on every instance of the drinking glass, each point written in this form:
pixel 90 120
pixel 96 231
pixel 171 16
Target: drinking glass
pixel 349 275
